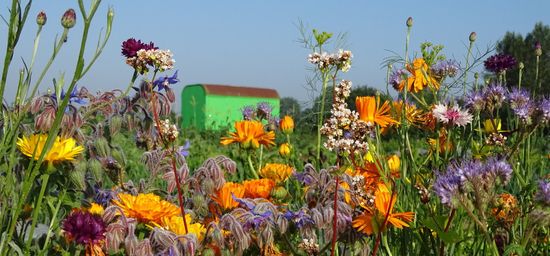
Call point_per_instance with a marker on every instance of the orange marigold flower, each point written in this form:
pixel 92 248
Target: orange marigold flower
pixel 287 125
pixel 506 208
pixel 420 77
pixel 146 208
pixel 382 214
pixel 224 196
pixel 276 172
pixel 370 111
pixel 249 134
pixel 259 188
pixel 176 225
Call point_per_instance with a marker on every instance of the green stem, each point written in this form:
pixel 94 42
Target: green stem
pixel 37 206
pixel 320 119
pixel 386 246
pixel 53 221
pixel 467 65
pixel 251 165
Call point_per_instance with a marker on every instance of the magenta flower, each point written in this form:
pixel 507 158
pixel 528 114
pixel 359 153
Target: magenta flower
pixel 131 46
pixel 84 228
pixel 451 115
pixel 500 62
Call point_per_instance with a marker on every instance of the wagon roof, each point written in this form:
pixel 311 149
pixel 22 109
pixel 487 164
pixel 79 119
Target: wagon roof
pixel 218 89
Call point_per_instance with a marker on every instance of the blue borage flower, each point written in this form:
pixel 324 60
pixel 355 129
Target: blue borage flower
pixel 300 218
pixel 74 96
pixel 164 82
pixel 184 150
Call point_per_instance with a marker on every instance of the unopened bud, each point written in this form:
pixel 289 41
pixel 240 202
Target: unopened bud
pixel 279 193
pixel 284 150
pixel 41 18
pixel 521 65
pixel 409 22
pixel 476 75
pixel 68 19
pixel 538 49
pixel 473 37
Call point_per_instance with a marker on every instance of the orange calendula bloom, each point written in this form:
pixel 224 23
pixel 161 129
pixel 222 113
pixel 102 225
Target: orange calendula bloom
pixel 276 172
pixel 224 196
pixel 373 219
pixel 250 134
pixel 284 150
pixel 370 111
pixel 146 208
pixel 176 225
pixel 394 163
pixel 260 188
pixel 420 77
pixel 287 125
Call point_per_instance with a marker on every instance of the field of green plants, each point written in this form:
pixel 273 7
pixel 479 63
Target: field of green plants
pixel 444 161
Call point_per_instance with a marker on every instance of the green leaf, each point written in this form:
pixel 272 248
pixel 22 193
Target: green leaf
pixel 450 237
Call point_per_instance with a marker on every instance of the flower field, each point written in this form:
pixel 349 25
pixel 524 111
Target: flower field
pixel 445 160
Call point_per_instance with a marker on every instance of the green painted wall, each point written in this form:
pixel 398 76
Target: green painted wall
pixel 209 111
pixel 192 106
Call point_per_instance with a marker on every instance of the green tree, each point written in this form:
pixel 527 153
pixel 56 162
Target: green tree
pixel 523 49
pixel 290 106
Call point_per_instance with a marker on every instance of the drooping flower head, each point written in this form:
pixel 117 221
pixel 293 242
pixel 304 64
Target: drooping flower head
pixel 299 218
pixel 146 208
pixel 452 115
pixel 250 134
pixel 397 77
pixel 131 46
pixel 499 63
pixel 276 172
pixel 84 228
pixel 224 196
pixel 258 188
pixel 62 149
pixel 164 82
pixel 372 112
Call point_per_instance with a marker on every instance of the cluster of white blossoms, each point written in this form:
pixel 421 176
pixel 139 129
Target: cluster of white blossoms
pixel 309 246
pixel 345 131
pixel 160 60
pixel 340 60
pixel 169 131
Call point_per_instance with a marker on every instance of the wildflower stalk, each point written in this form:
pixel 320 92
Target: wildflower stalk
pixel 320 119
pixel 404 107
pixel 537 82
pixel 335 217
pixel 251 165
pixel 467 65
pixel 447 226
pixel 38 204
pixel 180 196
pixel 53 221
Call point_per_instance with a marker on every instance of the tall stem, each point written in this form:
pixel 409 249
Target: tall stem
pixel 335 218
pixel 467 65
pixel 36 210
pixel 321 114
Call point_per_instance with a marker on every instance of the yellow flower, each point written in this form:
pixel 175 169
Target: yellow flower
pixel 276 172
pixel 250 134
pixel 394 163
pixel 284 150
pixel 489 125
pixel 224 196
pixel 96 209
pixel 176 225
pixel 370 111
pixel 146 208
pixel 382 214
pixel 287 125
pixel 62 149
pixel 419 78
pixel 260 188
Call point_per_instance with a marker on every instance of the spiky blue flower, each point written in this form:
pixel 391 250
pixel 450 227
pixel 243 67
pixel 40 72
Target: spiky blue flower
pixel 163 83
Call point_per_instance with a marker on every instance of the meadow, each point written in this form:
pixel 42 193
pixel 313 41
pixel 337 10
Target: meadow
pixel 446 160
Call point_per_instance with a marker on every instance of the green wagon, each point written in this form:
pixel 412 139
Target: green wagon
pixel 213 107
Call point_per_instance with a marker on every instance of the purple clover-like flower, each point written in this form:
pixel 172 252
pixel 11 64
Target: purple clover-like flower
pixel 500 62
pixel 164 82
pixel 543 194
pixel 497 167
pixel 447 186
pixel 248 112
pixel 475 101
pixel 131 46
pixel 544 109
pixel 521 104
pixel 494 95
pixel 84 228
pixel 397 77
pixel 445 68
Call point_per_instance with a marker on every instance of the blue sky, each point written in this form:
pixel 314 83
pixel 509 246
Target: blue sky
pixel 254 42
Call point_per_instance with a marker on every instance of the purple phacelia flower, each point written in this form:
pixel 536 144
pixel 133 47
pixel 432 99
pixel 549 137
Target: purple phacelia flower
pixel 445 68
pixel 544 109
pixel 131 46
pixel 475 101
pixel 494 95
pixel 264 110
pixel 496 167
pixel 164 82
pixel 543 194
pixel 397 77
pixel 248 112
pixel 499 63
pixel 84 228
pixel 447 186
pixel 521 104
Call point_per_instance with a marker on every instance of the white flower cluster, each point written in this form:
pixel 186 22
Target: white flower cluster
pixel 345 132
pixel 309 246
pixel 161 60
pixel 358 190
pixel 340 60
pixel 168 131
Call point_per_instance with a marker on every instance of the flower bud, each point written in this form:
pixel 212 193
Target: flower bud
pixel 287 125
pixel 409 22
pixel 476 75
pixel 68 19
pixel 279 193
pixel 41 18
pixel 284 150
pixel 538 49
pixel 473 37
pixel 521 65
pixel 394 163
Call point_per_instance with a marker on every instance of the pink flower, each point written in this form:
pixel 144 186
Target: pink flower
pixel 451 115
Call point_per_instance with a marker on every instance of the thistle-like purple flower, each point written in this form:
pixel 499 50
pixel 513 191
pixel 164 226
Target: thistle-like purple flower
pixel 475 101
pixel 500 62
pixel 397 77
pixel 543 194
pixel 84 228
pixel 164 82
pixel 131 46
pixel 248 112
pixel 445 68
